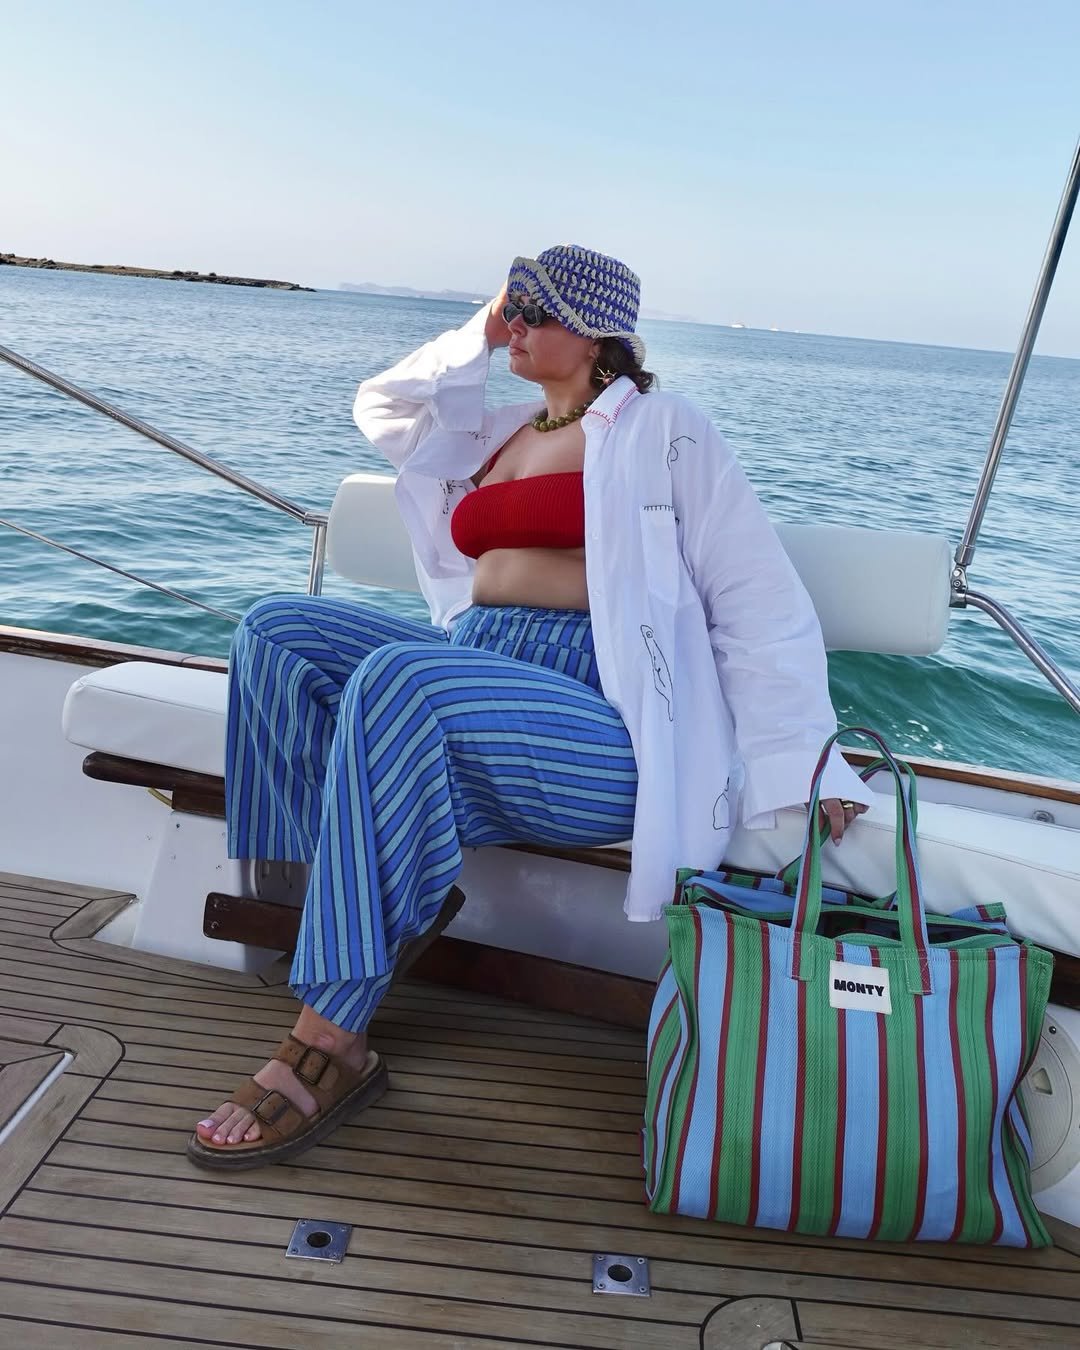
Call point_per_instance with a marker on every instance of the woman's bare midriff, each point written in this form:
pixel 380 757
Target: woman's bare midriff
pixel 544 578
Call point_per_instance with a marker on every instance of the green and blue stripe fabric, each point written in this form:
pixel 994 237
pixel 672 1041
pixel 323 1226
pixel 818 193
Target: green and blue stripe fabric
pixel 375 748
pixel 768 1104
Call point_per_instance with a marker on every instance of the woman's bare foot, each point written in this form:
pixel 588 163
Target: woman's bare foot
pixel 233 1124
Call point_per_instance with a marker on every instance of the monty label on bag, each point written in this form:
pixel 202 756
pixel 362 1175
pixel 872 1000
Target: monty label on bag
pixel 863 987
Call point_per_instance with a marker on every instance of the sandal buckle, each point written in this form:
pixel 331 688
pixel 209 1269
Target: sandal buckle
pixel 312 1079
pixel 267 1114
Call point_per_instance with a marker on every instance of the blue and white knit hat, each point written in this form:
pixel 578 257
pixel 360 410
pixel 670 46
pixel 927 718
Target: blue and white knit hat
pixel 589 293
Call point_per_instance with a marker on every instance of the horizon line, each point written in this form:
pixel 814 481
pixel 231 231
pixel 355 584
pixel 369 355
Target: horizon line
pixel 725 326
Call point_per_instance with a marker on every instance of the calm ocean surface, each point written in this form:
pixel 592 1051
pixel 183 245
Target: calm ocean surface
pixel 829 429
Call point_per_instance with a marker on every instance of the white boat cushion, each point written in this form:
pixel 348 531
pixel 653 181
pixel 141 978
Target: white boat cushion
pixel 874 590
pixel 966 857
pixel 175 715
pixel 165 714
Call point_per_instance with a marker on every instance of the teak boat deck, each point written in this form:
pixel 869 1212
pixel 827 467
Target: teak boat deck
pixel 504 1156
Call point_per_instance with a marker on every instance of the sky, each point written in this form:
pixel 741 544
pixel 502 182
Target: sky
pixel 884 170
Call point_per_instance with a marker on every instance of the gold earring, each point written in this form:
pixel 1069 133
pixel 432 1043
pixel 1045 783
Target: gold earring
pixel 604 376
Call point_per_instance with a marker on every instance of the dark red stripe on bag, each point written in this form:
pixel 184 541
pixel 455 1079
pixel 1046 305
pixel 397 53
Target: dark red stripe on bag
pixel 917 909
pixel 800 1104
pixel 883 1118
pixel 1024 1061
pixel 961 1102
pixel 924 1132
pixel 699 939
pixel 725 1022
pixel 759 1080
pixel 991 987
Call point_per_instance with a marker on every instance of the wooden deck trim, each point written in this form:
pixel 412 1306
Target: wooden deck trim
pixel 209 790
pixel 95 651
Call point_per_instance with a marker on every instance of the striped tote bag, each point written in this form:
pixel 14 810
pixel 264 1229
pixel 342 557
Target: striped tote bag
pixel 829 1064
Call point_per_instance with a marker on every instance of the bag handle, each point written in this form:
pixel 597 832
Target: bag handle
pixel 909 905
pixel 789 873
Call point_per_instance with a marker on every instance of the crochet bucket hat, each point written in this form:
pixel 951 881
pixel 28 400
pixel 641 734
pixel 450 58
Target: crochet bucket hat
pixel 589 293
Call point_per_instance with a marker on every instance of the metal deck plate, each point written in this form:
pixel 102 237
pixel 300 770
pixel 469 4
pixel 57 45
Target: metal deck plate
pixel 315 1240
pixel 621 1275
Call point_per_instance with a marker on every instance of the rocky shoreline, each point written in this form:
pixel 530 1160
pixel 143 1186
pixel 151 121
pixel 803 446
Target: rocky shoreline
pixel 117 270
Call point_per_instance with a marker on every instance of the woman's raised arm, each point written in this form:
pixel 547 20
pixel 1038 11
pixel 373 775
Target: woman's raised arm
pixel 441 384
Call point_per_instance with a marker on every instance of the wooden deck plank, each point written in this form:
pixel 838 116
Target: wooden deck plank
pixel 477 1148
pixel 231 1328
pixel 14 1052
pixel 369 1267
pixel 523 1062
pixel 578 1228
pixel 734 1262
pixel 101 1009
pixel 20 1079
pixel 137 1083
pixel 39 902
pixel 314 1179
pixel 880 1327
pixel 52 1336
pixel 53 963
pixel 31 1029
pixel 44 1123
pixel 103 973
pixel 428 1170
pixel 65 889
pixel 15 921
pixel 269 1298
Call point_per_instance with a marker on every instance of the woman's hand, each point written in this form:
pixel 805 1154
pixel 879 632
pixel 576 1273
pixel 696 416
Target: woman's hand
pixel 496 330
pixel 839 814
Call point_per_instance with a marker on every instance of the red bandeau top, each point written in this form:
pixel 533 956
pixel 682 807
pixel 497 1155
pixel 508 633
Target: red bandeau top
pixel 545 511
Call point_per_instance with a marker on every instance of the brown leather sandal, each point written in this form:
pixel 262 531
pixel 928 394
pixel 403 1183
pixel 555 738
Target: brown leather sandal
pixel 339 1091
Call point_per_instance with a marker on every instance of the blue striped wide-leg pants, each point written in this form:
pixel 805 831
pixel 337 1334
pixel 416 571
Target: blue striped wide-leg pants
pixel 375 748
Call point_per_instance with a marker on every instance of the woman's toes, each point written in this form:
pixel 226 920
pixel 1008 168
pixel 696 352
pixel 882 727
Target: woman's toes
pixel 238 1130
pixel 231 1130
pixel 223 1121
pixel 206 1129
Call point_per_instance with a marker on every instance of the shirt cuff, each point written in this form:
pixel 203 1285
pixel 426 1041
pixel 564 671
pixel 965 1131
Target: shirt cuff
pixel 458 397
pixel 774 782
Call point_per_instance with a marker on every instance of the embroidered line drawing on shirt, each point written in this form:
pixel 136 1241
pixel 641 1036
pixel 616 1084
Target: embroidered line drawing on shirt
pixel 660 672
pixel 673 448
pixel 721 812
pixel 449 487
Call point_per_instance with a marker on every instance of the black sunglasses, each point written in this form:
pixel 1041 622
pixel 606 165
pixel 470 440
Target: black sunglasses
pixel 531 314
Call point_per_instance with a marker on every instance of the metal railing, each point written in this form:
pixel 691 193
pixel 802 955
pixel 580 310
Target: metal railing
pixel 962 594
pixel 315 519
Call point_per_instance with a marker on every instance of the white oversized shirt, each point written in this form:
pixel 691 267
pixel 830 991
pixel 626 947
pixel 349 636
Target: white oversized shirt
pixel 706 640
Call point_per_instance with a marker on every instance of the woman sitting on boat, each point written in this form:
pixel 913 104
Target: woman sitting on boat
pixel 619 646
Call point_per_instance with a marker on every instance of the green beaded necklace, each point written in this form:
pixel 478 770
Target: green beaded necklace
pixel 545 423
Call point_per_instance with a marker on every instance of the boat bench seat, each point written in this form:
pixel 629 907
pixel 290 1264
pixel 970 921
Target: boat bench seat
pixel 163 726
